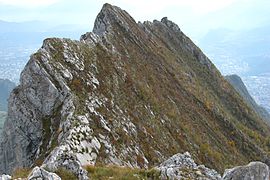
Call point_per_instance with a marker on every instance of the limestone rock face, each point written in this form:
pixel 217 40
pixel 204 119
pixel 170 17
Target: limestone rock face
pixel 252 171
pixel 31 107
pixel 41 174
pixel 129 94
pixel 5 177
pixel 182 166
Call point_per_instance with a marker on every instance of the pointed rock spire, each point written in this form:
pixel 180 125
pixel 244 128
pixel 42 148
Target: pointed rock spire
pixel 111 16
pixel 170 24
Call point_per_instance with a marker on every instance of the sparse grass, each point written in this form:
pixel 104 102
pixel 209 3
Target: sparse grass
pixel 120 173
pixel 21 173
pixel 197 109
pixel 209 153
pixel 65 174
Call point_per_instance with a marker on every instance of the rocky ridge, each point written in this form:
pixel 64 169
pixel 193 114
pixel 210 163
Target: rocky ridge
pixel 129 94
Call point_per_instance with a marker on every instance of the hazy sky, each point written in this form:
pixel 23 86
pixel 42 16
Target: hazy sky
pixel 193 16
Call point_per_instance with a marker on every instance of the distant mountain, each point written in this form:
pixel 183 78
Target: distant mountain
pixel 246 53
pixel 231 50
pixel 36 31
pixel 30 26
pixel 6 87
pixel 37 26
pixel 240 87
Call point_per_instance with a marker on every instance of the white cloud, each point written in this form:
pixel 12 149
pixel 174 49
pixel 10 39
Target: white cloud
pixel 28 3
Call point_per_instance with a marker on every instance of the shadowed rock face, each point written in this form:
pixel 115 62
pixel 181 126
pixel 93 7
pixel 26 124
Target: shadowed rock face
pixel 129 94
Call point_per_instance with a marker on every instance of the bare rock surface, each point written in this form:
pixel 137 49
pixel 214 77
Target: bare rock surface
pixel 127 94
pixel 252 171
pixel 5 177
pixel 182 166
pixel 41 174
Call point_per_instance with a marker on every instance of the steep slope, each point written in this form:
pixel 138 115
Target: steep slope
pixel 240 87
pixel 128 94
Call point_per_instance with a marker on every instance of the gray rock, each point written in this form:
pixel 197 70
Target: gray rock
pixel 110 16
pixel 59 159
pixel 5 177
pixel 41 174
pixel 67 114
pixel 252 171
pixel 170 24
pixel 30 105
pixel 182 166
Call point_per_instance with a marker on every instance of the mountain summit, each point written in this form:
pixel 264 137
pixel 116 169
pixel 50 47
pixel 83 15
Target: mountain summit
pixel 129 94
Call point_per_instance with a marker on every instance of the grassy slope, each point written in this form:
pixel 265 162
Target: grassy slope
pixel 176 102
pixel 203 115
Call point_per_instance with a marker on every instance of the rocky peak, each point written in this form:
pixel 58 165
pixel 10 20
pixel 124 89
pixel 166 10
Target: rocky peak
pixel 127 94
pixel 109 17
pixel 170 24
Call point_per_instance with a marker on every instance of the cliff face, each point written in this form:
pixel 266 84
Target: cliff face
pixel 128 94
pixel 240 87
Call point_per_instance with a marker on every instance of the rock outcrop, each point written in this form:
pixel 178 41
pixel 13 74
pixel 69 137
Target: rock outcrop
pixel 252 171
pixel 129 94
pixel 5 177
pixel 182 166
pixel 40 173
pixel 179 167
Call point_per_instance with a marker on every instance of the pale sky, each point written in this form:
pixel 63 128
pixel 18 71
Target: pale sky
pixel 192 16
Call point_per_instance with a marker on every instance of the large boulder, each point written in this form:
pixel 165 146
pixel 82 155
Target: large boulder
pixel 252 171
pixel 182 166
pixel 41 174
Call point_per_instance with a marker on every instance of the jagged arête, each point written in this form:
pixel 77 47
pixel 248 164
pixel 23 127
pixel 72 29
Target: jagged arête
pixel 130 94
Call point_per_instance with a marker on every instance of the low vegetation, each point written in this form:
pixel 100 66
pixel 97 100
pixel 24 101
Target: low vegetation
pixel 65 175
pixel 120 173
pixel 100 173
pixel 21 173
